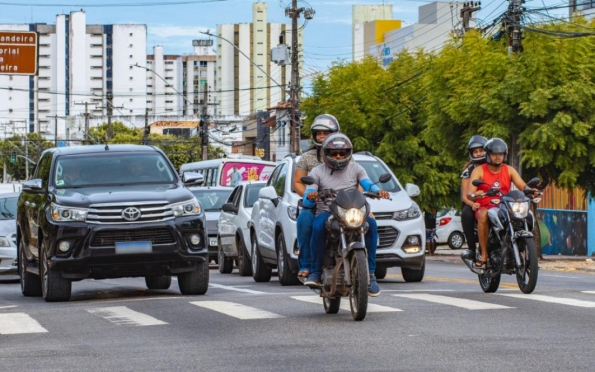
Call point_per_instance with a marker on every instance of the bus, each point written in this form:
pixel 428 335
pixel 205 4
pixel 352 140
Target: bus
pixel 217 172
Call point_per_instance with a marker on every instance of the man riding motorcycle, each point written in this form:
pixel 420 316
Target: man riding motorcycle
pixel 338 172
pixel 496 175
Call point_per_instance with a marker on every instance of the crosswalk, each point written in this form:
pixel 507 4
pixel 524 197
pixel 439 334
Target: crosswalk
pixel 13 322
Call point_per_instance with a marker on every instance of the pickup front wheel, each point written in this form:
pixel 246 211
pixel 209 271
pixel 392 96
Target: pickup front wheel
pixel 54 288
pixel 195 282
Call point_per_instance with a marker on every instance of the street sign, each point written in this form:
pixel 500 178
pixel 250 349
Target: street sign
pixel 18 53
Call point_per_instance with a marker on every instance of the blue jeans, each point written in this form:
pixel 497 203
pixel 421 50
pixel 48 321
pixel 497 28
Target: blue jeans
pixel 304 233
pixel 317 244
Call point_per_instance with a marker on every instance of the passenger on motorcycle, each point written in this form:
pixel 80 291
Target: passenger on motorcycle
pixel 476 158
pixel 322 126
pixel 497 175
pixel 338 172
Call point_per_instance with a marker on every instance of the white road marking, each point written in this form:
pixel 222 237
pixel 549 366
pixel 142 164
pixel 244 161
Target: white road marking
pixel 220 286
pixel 15 323
pixel 553 300
pixel 453 301
pixel 7 307
pixel 238 311
pixel 589 292
pixel 560 276
pixel 372 308
pixel 121 315
pixel 418 290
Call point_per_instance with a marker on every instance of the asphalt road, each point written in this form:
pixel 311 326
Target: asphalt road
pixel 445 323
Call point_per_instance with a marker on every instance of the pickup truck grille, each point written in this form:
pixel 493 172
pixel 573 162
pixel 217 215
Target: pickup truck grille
pixel 107 238
pixel 113 213
pixel 388 236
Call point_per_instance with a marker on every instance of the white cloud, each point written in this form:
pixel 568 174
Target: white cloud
pixel 169 31
pixel 333 20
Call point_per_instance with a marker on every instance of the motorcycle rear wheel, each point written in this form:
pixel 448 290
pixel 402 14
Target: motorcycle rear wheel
pixel 526 274
pixel 331 305
pixel 358 298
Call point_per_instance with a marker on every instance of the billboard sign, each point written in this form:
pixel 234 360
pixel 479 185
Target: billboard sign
pixel 18 53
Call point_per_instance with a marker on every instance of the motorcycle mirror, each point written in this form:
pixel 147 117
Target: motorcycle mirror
pixel 307 180
pixel 534 182
pixel 478 182
pixel 385 178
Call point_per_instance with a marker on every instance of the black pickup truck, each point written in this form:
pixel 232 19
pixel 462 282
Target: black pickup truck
pixel 109 212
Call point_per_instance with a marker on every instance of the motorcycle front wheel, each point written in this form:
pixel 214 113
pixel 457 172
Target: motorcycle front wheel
pixel 358 298
pixel 331 305
pixel 526 273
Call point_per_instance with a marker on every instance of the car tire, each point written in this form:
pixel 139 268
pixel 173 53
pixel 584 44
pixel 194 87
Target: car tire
pixel 260 272
pixel 286 277
pixel 195 282
pixel 380 272
pixel 456 240
pixel 158 281
pixel 244 264
pixel 225 264
pixel 54 288
pixel 30 283
pixel 414 276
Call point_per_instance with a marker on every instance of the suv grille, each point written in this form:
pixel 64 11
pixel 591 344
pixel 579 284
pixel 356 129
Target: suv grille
pixel 110 237
pixel 388 236
pixel 112 213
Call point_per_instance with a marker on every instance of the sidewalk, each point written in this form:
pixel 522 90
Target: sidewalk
pixel 582 264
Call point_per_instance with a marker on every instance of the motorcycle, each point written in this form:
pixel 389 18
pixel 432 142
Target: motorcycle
pixel 511 249
pixel 345 266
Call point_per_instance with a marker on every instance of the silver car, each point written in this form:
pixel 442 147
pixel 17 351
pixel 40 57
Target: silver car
pixel 8 233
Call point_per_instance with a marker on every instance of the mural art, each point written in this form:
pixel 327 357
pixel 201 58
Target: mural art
pixel 563 232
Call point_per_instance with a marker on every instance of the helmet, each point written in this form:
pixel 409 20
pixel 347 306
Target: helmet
pixel 474 143
pixel 495 146
pixel 324 122
pixel 336 142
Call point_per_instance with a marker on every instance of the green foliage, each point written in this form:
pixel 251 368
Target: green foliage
pixel 30 146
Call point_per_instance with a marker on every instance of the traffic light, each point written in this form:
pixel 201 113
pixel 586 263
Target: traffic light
pixel 13 156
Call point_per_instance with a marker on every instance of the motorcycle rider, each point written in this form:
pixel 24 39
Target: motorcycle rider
pixel 338 172
pixel 321 127
pixel 476 157
pixel 496 175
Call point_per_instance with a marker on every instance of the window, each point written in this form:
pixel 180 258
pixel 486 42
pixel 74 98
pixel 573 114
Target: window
pixel 131 78
pixel 203 63
pixel 131 99
pixel 131 56
pixel 131 34
pixel 130 46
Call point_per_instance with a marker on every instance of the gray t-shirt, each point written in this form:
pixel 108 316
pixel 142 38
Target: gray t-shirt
pixel 308 161
pixel 344 179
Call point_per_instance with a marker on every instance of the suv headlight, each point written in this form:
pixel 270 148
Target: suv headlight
pixel 65 214
pixel 353 217
pixel 187 208
pixel 519 209
pixel 4 242
pixel 408 214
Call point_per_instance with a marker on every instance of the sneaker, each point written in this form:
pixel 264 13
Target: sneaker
pixel 373 288
pixel 313 280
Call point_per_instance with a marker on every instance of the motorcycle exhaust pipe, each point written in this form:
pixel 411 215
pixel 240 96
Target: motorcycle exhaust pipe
pixel 469 264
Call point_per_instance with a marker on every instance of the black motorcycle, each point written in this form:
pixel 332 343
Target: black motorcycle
pixel 345 266
pixel 511 249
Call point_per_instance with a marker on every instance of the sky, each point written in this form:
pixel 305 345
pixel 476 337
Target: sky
pixel 175 23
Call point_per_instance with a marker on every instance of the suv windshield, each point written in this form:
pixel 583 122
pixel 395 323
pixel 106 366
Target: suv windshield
pixel 211 200
pixel 111 169
pixel 8 208
pixel 375 169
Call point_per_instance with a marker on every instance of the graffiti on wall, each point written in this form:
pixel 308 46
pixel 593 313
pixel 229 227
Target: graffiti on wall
pixel 563 232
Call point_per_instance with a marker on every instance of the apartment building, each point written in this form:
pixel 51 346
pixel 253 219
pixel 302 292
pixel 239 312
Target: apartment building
pixel 362 14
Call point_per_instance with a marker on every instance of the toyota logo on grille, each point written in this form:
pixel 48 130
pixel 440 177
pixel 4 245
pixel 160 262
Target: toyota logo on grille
pixel 131 214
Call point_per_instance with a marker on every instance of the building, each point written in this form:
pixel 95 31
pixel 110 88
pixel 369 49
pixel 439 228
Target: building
pixel 586 7
pixel 360 15
pixel 436 22
pixel 242 87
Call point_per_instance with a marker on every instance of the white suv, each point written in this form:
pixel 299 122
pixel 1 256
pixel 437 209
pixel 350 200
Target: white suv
pixel 273 232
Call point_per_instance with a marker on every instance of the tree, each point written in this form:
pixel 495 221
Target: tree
pixel 36 144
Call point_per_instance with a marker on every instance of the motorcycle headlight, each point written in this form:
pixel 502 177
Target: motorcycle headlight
pixel 188 208
pixel 353 217
pixel 66 214
pixel 408 214
pixel 519 209
pixel 292 212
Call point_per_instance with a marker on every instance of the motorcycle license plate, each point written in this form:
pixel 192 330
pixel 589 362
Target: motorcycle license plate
pixel 133 247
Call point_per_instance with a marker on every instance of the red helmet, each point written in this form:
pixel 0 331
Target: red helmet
pixel 334 144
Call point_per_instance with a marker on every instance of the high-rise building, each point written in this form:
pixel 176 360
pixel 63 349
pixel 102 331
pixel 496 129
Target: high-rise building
pixel 360 15
pixel 242 86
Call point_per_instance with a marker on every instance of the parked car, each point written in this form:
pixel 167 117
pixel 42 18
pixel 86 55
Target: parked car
pixel 212 199
pixel 449 229
pixel 109 212
pixel 273 232
pixel 8 234
pixel 233 232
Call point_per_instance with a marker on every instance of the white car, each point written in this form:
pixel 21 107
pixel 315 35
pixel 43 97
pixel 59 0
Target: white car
pixel 273 231
pixel 233 235
pixel 449 229
pixel 8 234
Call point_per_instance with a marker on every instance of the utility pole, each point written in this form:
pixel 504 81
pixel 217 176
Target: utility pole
pixel 86 120
pixel 512 24
pixel 56 117
pixel 204 123
pixel 147 130
pixel 294 13
pixel 110 107
pixel 467 14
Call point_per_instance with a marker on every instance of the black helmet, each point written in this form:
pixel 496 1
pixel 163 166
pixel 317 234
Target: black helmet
pixel 495 146
pixel 324 122
pixel 474 143
pixel 331 144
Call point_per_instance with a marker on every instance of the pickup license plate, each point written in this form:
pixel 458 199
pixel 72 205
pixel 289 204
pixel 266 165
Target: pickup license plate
pixel 133 247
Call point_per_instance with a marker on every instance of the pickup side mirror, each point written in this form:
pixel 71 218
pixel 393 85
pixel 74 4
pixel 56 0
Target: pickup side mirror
pixel 269 193
pixel 33 186
pixel 193 179
pixel 412 190
pixel 229 207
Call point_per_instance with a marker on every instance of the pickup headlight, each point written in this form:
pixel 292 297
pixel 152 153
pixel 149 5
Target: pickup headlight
pixel 65 214
pixel 188 208
pixel 408 214
pixel 4 242
pixel 519 209
pixel 353 217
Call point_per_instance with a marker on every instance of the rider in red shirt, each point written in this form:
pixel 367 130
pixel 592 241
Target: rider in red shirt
pixel 497 175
